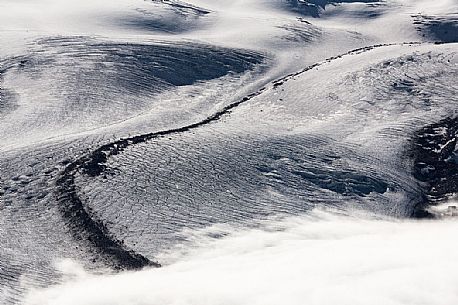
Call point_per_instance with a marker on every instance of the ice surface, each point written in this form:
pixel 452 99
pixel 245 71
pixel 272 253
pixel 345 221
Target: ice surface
pixel 130 127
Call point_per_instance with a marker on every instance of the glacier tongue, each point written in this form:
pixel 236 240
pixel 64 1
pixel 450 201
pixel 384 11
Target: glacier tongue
pixel 130 128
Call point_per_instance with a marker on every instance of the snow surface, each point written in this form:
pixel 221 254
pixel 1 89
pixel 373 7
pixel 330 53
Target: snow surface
pixel 167 119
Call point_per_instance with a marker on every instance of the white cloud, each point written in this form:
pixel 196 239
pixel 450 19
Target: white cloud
pixel 304 260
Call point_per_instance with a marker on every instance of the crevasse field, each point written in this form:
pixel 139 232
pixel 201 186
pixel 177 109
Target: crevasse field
pixel 228 152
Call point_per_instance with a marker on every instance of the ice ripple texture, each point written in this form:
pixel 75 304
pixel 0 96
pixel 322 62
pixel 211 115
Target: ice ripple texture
pixel 128 128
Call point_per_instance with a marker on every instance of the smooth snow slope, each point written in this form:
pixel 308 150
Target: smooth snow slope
pixel 130 127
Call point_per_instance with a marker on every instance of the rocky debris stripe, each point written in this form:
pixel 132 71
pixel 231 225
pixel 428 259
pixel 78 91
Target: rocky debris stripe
pixel 82 221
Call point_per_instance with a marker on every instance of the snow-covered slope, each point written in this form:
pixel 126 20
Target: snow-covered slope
pixel 130 126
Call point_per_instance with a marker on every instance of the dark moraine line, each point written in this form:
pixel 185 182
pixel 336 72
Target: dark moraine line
pixel 435 163
pixel 184 6
pixel 82 221
pixel 187 6
pixel 85 227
